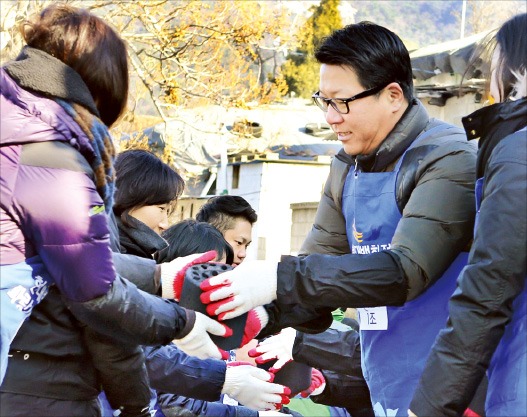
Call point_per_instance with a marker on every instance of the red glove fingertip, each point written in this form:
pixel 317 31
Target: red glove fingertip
pixel 228 331
pixel 259 361
pixel 285 399
pixel 211 310
pixel 271 379
pixel 224 354
pixel 253 353
pixel 206 286
pixel 287 390
pixel 206 257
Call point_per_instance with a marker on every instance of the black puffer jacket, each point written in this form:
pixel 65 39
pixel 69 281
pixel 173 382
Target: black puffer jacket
pixel 482 305
pixel 435 193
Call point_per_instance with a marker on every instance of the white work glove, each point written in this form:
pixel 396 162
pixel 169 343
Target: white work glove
pixel 253 387
pixel 232 293
pixel 198 342
pixel 173 272
pixel 279 347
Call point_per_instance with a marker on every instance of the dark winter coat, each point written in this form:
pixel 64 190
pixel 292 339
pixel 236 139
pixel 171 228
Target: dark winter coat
pixel 482 305
pixel 434 192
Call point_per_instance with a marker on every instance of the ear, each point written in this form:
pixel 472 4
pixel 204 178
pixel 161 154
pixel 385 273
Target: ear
pixel 395 96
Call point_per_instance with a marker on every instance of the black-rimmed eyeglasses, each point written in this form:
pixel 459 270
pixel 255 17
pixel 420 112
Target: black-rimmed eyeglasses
pixel 341 105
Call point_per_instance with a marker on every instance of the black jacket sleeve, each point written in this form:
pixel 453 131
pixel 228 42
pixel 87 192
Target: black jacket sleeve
pixel 140 271
pixel 333 349
pixel 158 322
pixel 323 281
pixel 348 391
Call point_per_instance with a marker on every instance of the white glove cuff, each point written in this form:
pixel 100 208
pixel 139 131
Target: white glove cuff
pixel 232 381
pixel 167 288
pixel 262 315
pixel 268 275
pixel 168 275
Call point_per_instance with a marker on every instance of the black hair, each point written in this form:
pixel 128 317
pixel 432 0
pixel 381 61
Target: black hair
pixel 376 55
pixel 223 211
pixel 142 179
pixel 512 41
pixel 190 236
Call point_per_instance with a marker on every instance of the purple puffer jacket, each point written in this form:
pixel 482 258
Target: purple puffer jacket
pixel 50 206
pixel 47 211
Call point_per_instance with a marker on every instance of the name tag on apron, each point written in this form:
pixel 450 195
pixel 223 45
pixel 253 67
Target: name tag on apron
pixel 373 318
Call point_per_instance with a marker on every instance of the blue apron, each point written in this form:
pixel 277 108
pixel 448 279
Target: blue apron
pixel 507 373
pixel 22 287
pixel 395 341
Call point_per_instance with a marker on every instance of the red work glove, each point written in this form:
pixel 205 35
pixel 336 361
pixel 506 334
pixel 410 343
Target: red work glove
pixel 173 272
pixel 318 383
pixel 257 319
pixel 232 293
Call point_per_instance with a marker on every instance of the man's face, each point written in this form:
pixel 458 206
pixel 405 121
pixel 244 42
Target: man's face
pixel 370 119
pixel 239 237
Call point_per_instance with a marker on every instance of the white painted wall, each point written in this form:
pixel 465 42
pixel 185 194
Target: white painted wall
pixel 454 110
pixel 249 188
pixel 271 188
pixel 282 185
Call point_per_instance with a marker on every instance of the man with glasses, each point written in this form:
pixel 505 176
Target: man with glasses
pixel 397 207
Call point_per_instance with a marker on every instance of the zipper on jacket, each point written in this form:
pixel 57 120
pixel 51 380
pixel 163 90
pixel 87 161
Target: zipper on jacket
pixel 356 169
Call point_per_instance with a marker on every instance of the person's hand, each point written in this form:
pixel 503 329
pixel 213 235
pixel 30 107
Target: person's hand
pixel 318 384
pixel 198 342
pixel 279 347
pixel 173 272
pixel 242 354
pixel 253 387
pixel 232 293
pixel 257 319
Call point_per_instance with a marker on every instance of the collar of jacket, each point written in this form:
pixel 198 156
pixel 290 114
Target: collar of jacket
pixel 138 239
pixel 411 124
pixel 492 124
pixel 40 72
